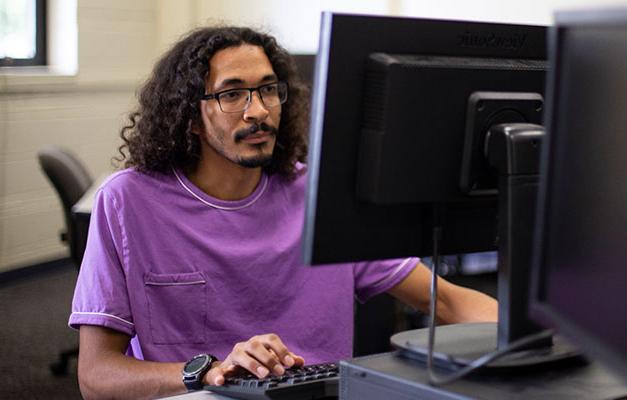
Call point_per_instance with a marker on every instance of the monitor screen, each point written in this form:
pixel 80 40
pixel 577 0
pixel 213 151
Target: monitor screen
pixel 580 272
pixel 390 117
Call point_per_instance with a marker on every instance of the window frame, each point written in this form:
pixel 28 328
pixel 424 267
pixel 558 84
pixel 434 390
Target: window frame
pixel 40 58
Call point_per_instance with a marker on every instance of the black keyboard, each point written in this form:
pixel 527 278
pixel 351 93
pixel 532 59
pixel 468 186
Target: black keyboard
pixel 318 381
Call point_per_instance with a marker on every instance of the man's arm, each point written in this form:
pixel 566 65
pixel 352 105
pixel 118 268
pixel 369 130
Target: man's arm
pixel 455 304
pixel 104 371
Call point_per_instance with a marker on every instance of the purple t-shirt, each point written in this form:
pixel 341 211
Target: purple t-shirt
pixel 184 273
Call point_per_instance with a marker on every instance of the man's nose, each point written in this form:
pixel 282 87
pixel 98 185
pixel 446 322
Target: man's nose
pixel 256 109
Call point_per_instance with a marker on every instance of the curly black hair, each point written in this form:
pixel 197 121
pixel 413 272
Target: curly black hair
pixel 159 133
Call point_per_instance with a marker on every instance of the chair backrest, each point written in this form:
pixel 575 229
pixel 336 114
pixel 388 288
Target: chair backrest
pixel 71 180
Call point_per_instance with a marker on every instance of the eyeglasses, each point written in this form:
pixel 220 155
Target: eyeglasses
pixel 238 100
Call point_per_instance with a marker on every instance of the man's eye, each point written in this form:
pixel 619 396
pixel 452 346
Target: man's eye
pixel 232 96
pixel 271 89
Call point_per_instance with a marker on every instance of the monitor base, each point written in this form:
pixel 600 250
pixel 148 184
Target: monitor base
pixel 459 345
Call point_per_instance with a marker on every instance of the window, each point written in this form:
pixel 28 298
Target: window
pixel 22 32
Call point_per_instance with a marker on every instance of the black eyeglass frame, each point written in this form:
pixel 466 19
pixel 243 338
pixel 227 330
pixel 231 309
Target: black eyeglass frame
pixel 216 96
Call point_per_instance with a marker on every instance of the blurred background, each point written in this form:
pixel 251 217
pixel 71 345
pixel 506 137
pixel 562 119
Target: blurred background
pixel 98 53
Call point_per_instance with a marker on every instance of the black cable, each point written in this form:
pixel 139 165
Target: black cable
pixel 437 380
pixel 433 301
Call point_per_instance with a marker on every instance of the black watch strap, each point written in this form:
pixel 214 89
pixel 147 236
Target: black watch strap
pixel 195 369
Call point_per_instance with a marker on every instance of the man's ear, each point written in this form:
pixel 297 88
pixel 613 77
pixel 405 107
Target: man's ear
pixel 196 127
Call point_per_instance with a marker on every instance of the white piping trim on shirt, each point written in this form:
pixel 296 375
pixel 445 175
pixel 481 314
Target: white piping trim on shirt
pixel 174 283
pixel 104 315
pixel 393 274
pixel 263 189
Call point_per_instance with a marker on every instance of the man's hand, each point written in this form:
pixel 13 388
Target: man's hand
pixel 261 355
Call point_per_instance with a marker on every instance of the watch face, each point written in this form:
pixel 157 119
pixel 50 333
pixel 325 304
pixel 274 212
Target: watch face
pixel 196 364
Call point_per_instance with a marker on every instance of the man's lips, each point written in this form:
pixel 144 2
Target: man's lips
pixel 257 137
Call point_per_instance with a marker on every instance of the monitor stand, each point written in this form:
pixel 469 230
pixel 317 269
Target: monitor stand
pixel 459 345
pixel 514 150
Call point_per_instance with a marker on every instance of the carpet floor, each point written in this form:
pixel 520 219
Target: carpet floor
pixel 33 329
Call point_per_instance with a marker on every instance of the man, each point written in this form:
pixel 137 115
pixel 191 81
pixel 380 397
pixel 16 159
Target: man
pixel 195 247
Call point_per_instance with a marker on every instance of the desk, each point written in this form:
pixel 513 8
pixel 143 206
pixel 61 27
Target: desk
pixel 386 376
pixel 200 395
pixel 82 208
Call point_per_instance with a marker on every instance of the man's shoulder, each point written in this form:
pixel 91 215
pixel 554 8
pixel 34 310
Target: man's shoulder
pixel 131 179
pixel 122 178
pixel 296 180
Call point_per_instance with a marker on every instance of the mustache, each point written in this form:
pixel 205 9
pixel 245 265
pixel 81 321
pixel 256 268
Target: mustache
pixel 251 130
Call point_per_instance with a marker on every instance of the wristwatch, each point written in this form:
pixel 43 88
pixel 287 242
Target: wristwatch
pixel 195 369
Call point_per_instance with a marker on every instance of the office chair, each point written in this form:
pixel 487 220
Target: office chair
pixel 71 180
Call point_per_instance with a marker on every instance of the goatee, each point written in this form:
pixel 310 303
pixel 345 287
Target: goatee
pixel 255 162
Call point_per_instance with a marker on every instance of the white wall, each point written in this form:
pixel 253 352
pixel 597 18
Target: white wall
pixel 118 41
pixel 296 23
pixel 84 112
pixel 537 12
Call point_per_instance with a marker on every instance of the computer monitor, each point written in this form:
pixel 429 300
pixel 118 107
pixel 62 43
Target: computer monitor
pixel 401 108
pixel 580 269
pixel 371 186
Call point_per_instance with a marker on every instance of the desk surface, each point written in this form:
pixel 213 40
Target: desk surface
pixel 84 205
pixel 200 395
pixel 388 376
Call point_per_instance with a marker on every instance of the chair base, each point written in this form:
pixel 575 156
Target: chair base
pixel 60 367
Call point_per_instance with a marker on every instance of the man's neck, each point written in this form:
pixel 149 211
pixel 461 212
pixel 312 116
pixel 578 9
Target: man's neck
pixel 224 180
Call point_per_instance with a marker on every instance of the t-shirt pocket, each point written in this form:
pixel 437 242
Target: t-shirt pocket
pixel 177 307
